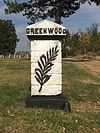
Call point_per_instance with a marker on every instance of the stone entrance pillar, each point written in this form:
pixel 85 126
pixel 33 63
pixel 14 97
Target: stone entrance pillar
pixel 46 65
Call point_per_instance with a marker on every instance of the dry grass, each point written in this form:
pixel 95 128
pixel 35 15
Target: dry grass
pixel 81 87
pixel 92 66
pixel 98 58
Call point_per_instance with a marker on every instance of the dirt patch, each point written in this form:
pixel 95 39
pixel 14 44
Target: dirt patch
pixel 89 82
pixel 92 66
pixel 82 107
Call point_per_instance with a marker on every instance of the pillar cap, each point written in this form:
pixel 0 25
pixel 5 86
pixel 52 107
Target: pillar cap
pixel 45 28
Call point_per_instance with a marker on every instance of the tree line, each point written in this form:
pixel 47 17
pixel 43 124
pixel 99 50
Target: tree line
pixel 81 43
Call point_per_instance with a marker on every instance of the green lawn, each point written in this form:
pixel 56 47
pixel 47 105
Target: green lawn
pixel 81 88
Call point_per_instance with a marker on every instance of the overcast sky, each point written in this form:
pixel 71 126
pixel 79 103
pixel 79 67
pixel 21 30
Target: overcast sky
pixel 82 19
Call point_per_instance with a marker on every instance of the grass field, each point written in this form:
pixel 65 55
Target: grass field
pixel 80 86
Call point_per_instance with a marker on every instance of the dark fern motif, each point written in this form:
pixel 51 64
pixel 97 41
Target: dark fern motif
pixel 45 64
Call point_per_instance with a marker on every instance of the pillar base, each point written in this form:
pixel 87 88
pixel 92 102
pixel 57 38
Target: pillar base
pixel 55 102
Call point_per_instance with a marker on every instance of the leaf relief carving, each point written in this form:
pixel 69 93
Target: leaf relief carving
pixel 45 65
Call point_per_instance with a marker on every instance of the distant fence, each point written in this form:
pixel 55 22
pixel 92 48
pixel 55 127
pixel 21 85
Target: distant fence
pixel 17 55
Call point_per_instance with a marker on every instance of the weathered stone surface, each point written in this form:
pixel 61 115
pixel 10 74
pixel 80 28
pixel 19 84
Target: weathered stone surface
pixel 39 48
pixel 56 68
pixel 46 90
pixel 55 79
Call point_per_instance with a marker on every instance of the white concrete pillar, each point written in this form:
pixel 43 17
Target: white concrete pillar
pixel 48 57
pixel 46 63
